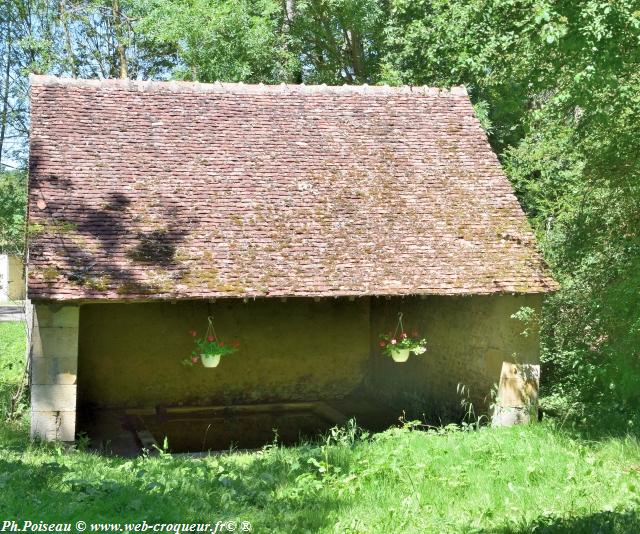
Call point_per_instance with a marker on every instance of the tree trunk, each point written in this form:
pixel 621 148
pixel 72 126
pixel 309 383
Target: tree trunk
pixel 5 89
pixel 357 60
pixel 289 11
pixel 287 21
pixel 67 38
pixel 121 48
pixel 330 44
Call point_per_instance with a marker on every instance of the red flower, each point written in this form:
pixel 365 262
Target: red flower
pixel 235 343
pixel 404 335
pixel 382 343
pixel 221 343
pixel 194 359
pixel 193 333
pixel 210 338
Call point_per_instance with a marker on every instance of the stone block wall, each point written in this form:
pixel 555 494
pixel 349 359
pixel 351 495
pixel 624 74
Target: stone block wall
pixel 53 349
pixel 129 355
pixel 298 349
pixel 468 338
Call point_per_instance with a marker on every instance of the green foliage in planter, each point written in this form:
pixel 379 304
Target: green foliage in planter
pixel 390 344
pixel 209 345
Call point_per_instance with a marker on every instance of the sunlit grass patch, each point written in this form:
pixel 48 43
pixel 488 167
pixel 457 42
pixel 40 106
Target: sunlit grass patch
pixel 536 478
pixel 12 358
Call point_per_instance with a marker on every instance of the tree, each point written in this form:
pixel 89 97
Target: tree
pixel 339 41
pixel 12 211
pixel 227 40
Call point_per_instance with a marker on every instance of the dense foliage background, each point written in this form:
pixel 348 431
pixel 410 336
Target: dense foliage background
pixel 556 84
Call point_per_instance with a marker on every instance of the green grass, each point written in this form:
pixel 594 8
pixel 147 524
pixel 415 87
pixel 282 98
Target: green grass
pixel 12 350
pixel 523 479
pixel 12 356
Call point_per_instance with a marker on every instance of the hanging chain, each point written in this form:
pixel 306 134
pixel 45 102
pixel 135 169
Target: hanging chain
pixel 211 331
pixel 399 325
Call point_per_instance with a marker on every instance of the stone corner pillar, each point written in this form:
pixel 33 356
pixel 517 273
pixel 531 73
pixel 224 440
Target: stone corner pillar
pixel 517 400
pixel 53 352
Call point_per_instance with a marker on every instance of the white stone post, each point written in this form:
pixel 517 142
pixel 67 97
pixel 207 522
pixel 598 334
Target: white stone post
pixel 517 400
pixel 54 368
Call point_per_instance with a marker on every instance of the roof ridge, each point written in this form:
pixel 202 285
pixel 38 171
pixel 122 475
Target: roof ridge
pixel 242 88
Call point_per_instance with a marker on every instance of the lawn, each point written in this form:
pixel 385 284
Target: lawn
pixel 12 355
pixel 538 478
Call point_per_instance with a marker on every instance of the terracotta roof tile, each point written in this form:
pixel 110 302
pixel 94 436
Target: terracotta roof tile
pixel 187 190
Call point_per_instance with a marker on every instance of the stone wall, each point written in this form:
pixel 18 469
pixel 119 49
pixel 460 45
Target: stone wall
pixel 53 349
pixel 294 350
pixel 468 340
pixel 300 349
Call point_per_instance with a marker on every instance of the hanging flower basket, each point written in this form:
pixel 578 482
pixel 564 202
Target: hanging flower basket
pixel 209 349
pixel 399 355
pixel 401 344
pixel 210 360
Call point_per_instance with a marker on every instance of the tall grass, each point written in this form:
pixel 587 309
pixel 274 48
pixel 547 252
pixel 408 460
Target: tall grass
pixel 402 480
pixel 12 358
pixel 535 478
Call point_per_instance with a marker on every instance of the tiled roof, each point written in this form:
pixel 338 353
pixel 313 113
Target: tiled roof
pixel 142 190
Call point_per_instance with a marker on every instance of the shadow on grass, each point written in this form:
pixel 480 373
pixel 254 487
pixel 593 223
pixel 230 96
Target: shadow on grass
pixel 286 491
pixel 597 523
pixel 600 427
pixel 80 486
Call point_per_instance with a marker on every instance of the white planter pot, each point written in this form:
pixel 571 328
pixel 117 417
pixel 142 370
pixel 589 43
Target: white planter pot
pixel 400 355
pixel 210 361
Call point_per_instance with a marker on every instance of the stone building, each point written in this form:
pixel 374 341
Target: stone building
pixel 303 219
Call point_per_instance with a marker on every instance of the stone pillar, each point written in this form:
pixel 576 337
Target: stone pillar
pixel 16 287
pixel 517 400
pixel 54 367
